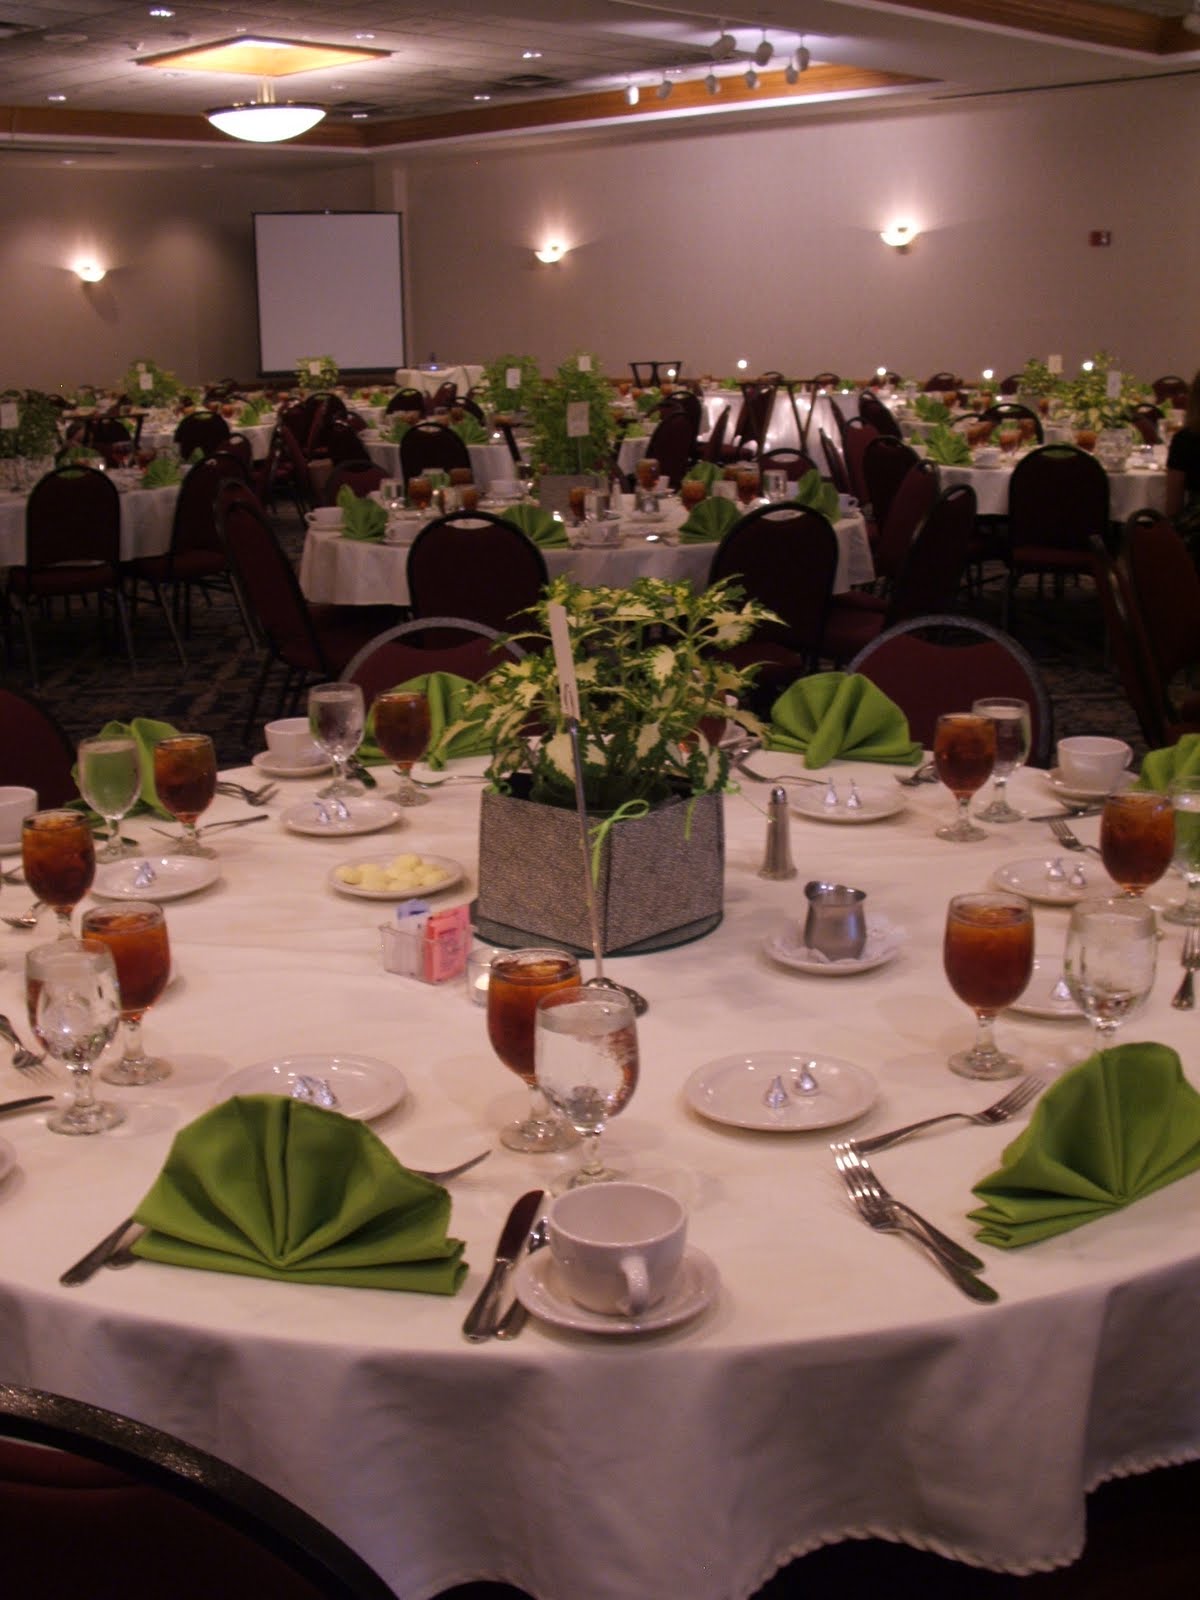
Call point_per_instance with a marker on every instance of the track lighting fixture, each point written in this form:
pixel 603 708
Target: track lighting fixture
pixel 712 83
pixel 723 46
pixel 665 88
pixel 763 51
pixel 751 78
pixel 632 95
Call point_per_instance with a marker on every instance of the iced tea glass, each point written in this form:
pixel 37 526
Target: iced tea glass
pixel 402 733
pixel 58 854
pixel 517 981
pixel 1013 737
pixel 136 935
pixel 691 492
pixel 749 484
pixel 71 996
pixel 110 779
pixel 646 472
pixel 1137 839
pixel 988 957
pixel 185 778
pixel 964 753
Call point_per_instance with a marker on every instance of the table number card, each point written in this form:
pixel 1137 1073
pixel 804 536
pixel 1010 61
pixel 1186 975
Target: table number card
pixel 314 368
pixel 585 363
pixel 564 661
pixel 1054 364
pixel 145 381
pixel 578 420
pixel 10 415
pixel 512 378
pixel 1112 384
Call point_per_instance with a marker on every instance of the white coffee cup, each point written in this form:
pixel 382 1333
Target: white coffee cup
pixel 505 489
pixel 1090 761
pixel 291 742
pixel 326 517
pixel 987 455
pixel 16 803
pixel 617 1246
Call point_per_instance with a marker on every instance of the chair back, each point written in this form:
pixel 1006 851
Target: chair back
pixel 938 663
pixel 1011 384
pixel 338 441
pixel 469 649
pixel 714 445
pixel 110 437
pixel 471 407
pixel 1146 419
pixel 431 444
pixel 363 477
pixel 794 462
pixel 205 431
pixel 267 579
pixel 1057 499
pixel 73 515
pixel 1011 411
pixel 671 445
pixel 195 523
pixel 754 416
pixel 833 460
pixel 942 381
pixel 932 572
pixel 1129 646
pixel 686 401
pixel 786 557
pixel 907 509
pixel 239 447
pixel 886 462
pixel 824 380
pixel 476 566
pixel 444 396
pixel 406 400
pixel 649 374
pixel 855 439
pixel 1169 387
pixel 872 409
pixel 35 752
pixel 1166 590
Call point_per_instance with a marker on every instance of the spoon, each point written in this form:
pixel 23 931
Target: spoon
pixel 925 773
pixel 29 920
pixel 638 1001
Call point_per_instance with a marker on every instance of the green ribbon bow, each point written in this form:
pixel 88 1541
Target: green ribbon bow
pixel 840 714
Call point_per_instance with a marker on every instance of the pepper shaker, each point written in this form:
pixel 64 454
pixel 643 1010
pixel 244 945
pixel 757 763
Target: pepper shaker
pixel 777 859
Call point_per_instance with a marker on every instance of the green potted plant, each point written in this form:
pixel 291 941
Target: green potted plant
pixel 562 457
pixel 30 445
pixel 145 383
pixel 652 688
pixel 506 397
pixel 316 372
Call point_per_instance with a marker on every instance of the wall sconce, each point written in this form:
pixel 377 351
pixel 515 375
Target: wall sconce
pixel 88 271
pixel 551 253
pixel 900 235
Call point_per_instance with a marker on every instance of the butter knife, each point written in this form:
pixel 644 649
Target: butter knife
pixel 87 1266
pixel 20 1105
pixel 480 1321
pixel 517 1315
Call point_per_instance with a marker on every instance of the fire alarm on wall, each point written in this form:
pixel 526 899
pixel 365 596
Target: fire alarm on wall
pixel 1100 237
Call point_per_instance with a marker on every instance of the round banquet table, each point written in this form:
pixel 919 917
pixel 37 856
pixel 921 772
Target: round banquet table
pixel 489 462
pixel 837 1386
pixel 1128 491
pixel 146 519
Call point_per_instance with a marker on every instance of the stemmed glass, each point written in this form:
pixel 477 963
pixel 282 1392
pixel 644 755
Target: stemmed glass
pixel 136 936
pixel 517 981
pixel 1185 800
pixel 1013 738
pixel 1137 839
pixel 1109 961
pixel 336 717
pixel 988 956
pixel 110 779
pixel 402 733
pixel 185 779
pixel 586 1055
pixel 964 750
pixel 71 996
pixel 58 854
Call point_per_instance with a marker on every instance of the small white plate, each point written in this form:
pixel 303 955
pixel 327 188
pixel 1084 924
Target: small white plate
pixel 1071 791
pixel 809 801
pixel 365 1087
pixel 731 1090
pixel 884 943
pixel 368 814
pixel 539 1289
pixel 1028 877
pixel 264 761
pixel 174 877
pixel 8 1159
pixel 11 846
pixel 1039 999
pixel 455 870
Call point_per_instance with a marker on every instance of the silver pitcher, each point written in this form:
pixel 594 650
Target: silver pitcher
pixel 836 924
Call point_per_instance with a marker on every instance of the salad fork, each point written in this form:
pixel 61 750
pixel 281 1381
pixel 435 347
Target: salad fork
pixel 1063 832
pixel 22 1059
pixel 252 797
pixel 1184 998
pixel 999 1111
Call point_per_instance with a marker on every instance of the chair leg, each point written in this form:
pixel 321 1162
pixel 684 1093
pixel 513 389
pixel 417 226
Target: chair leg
pixel 27 630
pixel 123 619
pixel 260 683
pixel 156 588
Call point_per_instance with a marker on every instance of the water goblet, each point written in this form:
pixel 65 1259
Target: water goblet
pixel 136 936
pixel 71 996
pixel 402 733
pixel 1109 961
pixel 1013 738
pixel 964 750
pixel 586 1058
pixel 988 957
pixel 185 778
pixel 1137 839
pixel 1185 801
pixel 110 779
pixel 58 854
pixel 517 981
pixel 336 718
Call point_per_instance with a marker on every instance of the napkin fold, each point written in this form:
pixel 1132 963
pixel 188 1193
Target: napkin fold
pixel 1122 1124
pixel 710 521
pixel 471 431
pixel 947 448
pixel 397 429
pixel 361 518
pixel 273 1188
pixel 815 494
pixel 537 524
pixel 161 473
pixel 1161 767
pixel 453 731
pixel 145 733
pixel 840 714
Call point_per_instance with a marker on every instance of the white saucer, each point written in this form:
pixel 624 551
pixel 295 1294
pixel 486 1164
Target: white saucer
pixel 368 814
pixel 877 802
pixel 11 846
pixel 264 761
pixel 454 868
pixel 1028 877
pixel 731 1090
pixel 1039 999
pixel 8 1159
pixel 540 1291
pixel 1071 791
pixel 884 943
pixel 174 877
pixel 364 1086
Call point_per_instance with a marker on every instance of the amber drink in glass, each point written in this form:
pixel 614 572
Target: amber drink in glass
pixel 964 752
pixel 185 777
pixel 58 854
pixel 136 934
pixel 402 733
pixel 1137 839
pixel 988 957
pixel 517 981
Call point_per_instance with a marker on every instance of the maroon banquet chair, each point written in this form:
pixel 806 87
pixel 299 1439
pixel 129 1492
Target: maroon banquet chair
pixel 784 458
pixel 1057 501
pixel 469 649
pixel 205 431
pixel 886 462
pixel 474 565
pixel 713 447
pixel 410 400
pixel 431 444
pixel 1165 588
pixel 35 752
pixel 363 477
pixel 671 445
pixel 872 409
pixel 942 381
pixel 834 462
pixel 855 439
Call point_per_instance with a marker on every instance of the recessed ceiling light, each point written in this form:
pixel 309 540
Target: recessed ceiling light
pixel 56 97
pixel 161 11
pixel 531 55
pixel 481 97
pixel 67 161
pixel 358 116
pixel 364 36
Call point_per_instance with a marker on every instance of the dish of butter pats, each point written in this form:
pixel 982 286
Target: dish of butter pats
pixel 396 877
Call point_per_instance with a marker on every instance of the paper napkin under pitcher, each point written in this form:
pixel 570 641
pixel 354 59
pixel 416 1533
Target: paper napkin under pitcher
pixel 834 714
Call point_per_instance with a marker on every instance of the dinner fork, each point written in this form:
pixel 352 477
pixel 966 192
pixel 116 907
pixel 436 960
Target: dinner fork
pixel 779 777
pixel 1184 998
pixel 881 1211
pixel 252 797
pixel 22 1059
pixel 1000 1111
pixel 1062 831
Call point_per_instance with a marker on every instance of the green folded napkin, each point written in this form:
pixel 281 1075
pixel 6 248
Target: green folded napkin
pixel 453 731
pixel 537 524
pixel 710 521
pixel 930 410
pixel 705 472
pixel 471 431
pixel 145 733
pixel 947 448
pixel 273 1188
pixel 161 473
pixel 1118 1126
pixel 250 415
pixel 840 714
pixel 397 429
pixel 1161 767
pixel 361 518
pixel 815 494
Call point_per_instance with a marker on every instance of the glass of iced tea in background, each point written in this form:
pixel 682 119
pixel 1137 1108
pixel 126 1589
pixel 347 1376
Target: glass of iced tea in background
pixel 136 935
pixel 749 484
pixel 646 472
pixel 517 981
pixel 420 492
pixel 988 957
pixel 71 997
pixel 691 492
pixel 577 500
pixel 58 854
pixel 185 778
pixel 402 733
pixel 1137 839
pixel 964 751
pixel 586 1050
pixel 1013 737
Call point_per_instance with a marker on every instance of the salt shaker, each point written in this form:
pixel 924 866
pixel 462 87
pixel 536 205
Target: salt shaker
pixel 777 860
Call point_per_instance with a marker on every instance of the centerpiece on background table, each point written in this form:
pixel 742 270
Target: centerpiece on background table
pixel 316 372
pixel 653 691
pixel 28 437
pixel 573 430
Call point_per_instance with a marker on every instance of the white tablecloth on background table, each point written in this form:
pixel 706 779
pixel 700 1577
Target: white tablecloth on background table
pixel 466 377
pixel 146 518
pixel 1128 491
pixel 258 436
pixel 490 463
pixel 839 1386
pixel 781 427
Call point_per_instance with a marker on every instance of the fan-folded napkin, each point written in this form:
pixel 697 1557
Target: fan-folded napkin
pixel 710 521
pixel 538 524
pixel 1161 767
pixel 361 518
pixel 834 714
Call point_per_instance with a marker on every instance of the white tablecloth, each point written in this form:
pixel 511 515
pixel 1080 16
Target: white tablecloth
pixel 258 437
pixel 781 428
pixel 466 377
pixel 839 1385
pixel 1128 491
pixel 146 517
pixel 490 463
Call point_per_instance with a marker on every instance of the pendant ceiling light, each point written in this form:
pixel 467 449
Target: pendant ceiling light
pixel 723 46
pixel 265 121
pixel 764 51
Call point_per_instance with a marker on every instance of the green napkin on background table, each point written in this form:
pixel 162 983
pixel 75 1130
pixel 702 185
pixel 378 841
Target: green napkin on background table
pixel 840 714
pixel 146 733
pixel 471 431
pixel 710 521
pixel 161 473
pixel 538 524
pixel 1161 767
pixel 273 1188
pixel 1120 1125
pixel 814 494
pixel 705 472
pixel 452 732
pixel 946 447
pixel 361 518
